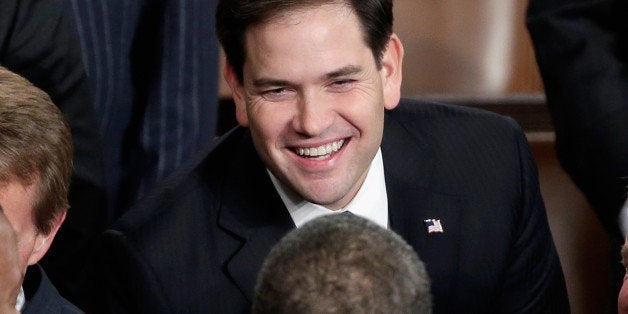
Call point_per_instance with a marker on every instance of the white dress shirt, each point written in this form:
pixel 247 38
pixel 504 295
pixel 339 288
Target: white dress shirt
pixel 371 201
pixel 21 299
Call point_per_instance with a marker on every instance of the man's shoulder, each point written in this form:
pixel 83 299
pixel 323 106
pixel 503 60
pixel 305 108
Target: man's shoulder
pixel 42 296
pixel 427 119
pixel 437 112
pixel 463 148
pixel 190 192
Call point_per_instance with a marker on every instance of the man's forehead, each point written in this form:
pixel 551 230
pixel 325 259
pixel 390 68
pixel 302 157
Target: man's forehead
pixel 17 200
pixel 289 11
pixel 297 14
pixel 275 45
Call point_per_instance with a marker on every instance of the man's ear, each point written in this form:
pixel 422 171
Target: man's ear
pixel 43 241
pixel 392 60
pixel 238 94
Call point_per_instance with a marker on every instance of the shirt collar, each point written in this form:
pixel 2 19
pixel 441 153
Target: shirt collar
pixel 371 201
pixel 21 299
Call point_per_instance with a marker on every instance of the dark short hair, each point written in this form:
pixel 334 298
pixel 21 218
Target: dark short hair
pixel 35 146
pixel 342 264
pixel 234 17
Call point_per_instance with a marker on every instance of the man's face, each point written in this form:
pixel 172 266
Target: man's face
pixel 623 293
pixel 314 100
pixel 17 202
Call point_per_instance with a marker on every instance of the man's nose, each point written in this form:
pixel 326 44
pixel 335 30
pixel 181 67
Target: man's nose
pixel 314 114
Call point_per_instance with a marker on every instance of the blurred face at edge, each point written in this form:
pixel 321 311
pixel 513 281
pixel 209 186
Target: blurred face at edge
pixel 622 302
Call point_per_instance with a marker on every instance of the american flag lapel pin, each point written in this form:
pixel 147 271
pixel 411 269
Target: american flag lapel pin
pixel 433 226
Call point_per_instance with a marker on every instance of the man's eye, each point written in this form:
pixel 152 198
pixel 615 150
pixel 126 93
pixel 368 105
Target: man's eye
pixel 276 94
pixel 342 85
pixel 342 82
pixel 275 91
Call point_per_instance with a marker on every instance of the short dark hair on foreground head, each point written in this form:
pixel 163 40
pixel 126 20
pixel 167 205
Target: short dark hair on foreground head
pixel 342 264
pixel 235 17
pixel 35 146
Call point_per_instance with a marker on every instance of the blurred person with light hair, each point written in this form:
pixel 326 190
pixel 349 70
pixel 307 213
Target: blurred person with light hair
pixel 35 169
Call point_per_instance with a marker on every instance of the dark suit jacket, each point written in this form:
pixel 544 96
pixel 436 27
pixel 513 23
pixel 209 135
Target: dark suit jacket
pixel 197 244
pixel 582 51
pixel 39 42
pixel 41 295
pixel 153 65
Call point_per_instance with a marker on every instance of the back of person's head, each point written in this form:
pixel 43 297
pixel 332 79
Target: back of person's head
pixel 342 264
pixel 35 146
pixel 235 17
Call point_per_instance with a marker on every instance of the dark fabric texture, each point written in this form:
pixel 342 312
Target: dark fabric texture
pixel 581 48
pixel 153 66
pixel 582 51
pixel 197 243
pixel 41 295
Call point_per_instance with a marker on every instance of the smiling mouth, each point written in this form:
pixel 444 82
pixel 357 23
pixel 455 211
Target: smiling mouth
pixel 320 151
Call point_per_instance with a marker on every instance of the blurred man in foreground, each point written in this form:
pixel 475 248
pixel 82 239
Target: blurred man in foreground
pixel 342 264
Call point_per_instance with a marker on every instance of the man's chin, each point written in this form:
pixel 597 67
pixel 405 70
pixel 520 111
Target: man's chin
pixel 330 201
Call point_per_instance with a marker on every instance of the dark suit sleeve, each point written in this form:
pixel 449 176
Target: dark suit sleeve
pixel 534 280
pixel 39 42
pixel 123 282
pixel 43 297
pixel 581 49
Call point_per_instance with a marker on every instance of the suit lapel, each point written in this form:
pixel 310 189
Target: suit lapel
pixel 252 210
pixel 410 182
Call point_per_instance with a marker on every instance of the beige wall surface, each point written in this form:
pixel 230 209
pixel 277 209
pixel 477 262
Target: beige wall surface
pixel 466 47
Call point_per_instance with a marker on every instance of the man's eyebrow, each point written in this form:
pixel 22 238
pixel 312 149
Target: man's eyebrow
pixel 344 71
pixel 269 82
pixel 348 70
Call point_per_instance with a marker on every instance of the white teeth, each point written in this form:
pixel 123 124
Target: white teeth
pixel 321 150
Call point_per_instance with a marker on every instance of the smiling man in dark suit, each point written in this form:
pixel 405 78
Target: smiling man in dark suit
pixel 322 130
